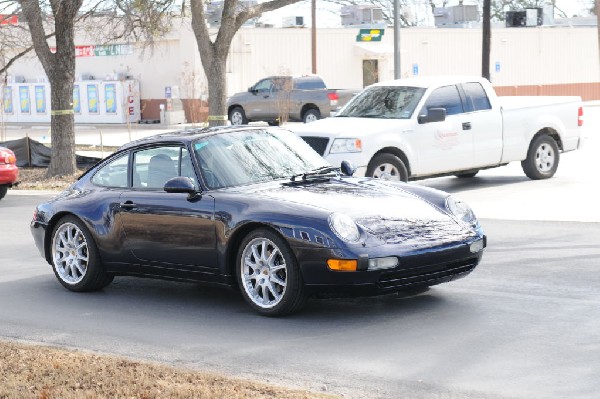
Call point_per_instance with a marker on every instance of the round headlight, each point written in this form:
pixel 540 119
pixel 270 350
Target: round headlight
pixel 460 210
pixel 344 227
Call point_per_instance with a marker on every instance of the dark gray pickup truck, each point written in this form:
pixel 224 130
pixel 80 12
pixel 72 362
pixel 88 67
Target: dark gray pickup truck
pixel 278 99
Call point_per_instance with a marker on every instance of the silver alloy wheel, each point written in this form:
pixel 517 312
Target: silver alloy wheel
pixel 263 272
pixel 70 253
pixel 237 118
pixel 544 158
pixel 386 171
pixel 310 117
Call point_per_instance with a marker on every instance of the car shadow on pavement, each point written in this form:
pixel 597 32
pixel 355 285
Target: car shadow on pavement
pixel 455 185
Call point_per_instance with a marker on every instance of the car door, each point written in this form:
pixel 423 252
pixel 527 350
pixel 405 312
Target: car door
pixel 169 233
pixel 448 145
pixel 486 125
pixel 263 104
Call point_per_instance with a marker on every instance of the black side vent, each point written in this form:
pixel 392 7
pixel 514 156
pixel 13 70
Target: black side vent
pixel 319 144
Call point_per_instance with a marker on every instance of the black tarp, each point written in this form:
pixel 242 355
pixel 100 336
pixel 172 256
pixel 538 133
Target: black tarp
pixel 33 153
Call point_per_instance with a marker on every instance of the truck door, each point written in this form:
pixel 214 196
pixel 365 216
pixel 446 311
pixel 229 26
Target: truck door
pixel 486 125
pixel 444 146
pixel 263 103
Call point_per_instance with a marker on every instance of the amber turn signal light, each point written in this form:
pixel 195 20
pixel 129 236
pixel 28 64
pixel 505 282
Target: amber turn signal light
pixel 342 265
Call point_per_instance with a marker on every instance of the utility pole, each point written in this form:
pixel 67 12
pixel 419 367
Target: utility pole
pixel 397 74
pixel 313 34
pixel 486 40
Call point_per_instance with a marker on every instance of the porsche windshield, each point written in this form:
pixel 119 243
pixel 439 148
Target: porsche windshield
pixel 391 102
pixel 252 156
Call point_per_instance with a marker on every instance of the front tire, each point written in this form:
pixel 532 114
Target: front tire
pixel 268 274
pixel 388 167
pixel 3 191
pixel 237 116
pixel 311 115
pixel 542 158
pixel 75 258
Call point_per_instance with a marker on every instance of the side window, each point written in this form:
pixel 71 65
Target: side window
pixel 476 96
pixel 445 97
pixel 309 84
pixel 113 174
pixel 263 86
pixel 153 167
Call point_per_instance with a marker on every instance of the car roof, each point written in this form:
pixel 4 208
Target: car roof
pixel 191 134
pixel 429 81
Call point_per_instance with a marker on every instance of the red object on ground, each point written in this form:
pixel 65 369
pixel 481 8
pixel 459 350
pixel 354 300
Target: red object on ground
pixel 9 172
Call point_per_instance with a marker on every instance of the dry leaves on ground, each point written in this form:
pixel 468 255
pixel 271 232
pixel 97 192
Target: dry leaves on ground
pixel 32 371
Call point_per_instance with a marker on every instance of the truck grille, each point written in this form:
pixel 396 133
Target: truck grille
pixel 319 144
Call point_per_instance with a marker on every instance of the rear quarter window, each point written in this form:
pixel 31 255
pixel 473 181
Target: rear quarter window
pixel 112 174
pixel 309 84
pixel 476 96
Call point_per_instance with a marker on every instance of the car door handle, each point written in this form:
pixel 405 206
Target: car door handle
pixel 466 125
pixel 128 205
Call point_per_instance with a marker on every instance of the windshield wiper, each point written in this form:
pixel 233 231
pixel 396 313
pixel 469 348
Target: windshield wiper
pixel 321 172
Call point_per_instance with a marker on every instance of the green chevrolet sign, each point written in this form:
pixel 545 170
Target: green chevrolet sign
pixel 370 35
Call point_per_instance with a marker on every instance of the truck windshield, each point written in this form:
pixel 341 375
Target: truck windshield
pixel 388 102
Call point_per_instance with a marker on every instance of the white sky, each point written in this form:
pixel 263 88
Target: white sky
pixel 327 17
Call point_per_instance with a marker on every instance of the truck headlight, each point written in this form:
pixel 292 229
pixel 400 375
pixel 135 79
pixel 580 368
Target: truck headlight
pixel 460 210
pixel 344 227
pixel 345 145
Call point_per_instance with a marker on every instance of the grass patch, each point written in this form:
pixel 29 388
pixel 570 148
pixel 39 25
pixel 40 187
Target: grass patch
pixel 33 371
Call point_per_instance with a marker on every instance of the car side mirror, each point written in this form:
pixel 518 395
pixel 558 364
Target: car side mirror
pixel 433 115
pixel 181 184
pixel 347 168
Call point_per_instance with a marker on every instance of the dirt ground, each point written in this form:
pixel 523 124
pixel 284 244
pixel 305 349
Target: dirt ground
pixel 35 179
pixel 33 371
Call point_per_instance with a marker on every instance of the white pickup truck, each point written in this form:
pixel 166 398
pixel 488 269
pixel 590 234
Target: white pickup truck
pixel 415 128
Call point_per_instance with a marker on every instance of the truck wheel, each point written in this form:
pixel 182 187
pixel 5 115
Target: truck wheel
pixel 311 115
pixel 3 190
pixel 237 116
pixel 542 158
pixel 388 167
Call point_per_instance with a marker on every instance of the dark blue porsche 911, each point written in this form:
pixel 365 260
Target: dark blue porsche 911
pixel 256 208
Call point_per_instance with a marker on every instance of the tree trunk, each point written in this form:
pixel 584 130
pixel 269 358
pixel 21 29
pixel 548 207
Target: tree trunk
pixel 62 125
pixel 217 87
pixel 60 69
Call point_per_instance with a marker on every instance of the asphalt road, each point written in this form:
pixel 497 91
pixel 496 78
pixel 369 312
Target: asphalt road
pixel 523 324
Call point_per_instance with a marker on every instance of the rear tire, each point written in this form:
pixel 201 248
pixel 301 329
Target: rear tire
pixel 3 191
pixel 542 158
pixel 388 167
pixel 75 258
pixel 311 115
pixel 237 116
pixel 268 274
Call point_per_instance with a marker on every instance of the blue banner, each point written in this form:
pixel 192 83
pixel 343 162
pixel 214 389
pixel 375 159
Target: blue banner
pixel 40 99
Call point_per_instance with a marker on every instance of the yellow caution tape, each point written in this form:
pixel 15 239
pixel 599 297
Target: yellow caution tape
pixel 217 117
pixel 61 112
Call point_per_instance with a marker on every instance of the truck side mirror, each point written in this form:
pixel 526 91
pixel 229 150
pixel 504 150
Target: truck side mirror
pixel 251 90
pixel 433 115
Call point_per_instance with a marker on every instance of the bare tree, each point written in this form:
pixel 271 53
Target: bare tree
pixel 136 19
pixel 486 39
pixel 60 70
pixel 214 50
